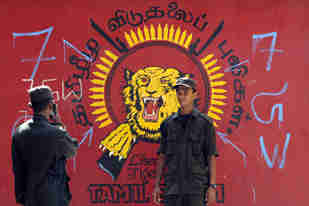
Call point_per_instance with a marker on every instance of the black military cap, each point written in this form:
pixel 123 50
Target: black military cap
pixel 40 94
pixel 185 81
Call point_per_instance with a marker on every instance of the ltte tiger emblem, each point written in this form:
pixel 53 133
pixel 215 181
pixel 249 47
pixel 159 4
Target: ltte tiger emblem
pixel 149 99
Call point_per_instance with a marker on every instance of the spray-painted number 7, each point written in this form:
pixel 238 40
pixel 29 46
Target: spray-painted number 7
pixel 40 57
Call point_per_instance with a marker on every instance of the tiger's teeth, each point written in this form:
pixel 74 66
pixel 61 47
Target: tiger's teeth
pixel 156 102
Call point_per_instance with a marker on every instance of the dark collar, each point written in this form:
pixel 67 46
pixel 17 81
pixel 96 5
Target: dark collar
pixel 194 113
pixel 39 118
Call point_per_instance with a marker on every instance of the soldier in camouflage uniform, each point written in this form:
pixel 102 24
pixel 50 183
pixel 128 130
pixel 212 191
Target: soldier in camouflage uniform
pixel 187 151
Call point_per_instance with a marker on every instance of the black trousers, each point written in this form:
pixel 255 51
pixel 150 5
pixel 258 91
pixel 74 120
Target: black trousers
pixel 185 200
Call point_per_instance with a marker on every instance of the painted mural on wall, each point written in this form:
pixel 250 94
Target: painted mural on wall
pixel 145 82
pixel 117 88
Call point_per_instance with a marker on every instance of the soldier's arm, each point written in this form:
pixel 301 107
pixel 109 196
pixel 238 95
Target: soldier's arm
pixel 212 169
pixel 65 144
pixel 19 174
pixel 160 163
pixel 212 155
pixel 159 169
pixel 161 152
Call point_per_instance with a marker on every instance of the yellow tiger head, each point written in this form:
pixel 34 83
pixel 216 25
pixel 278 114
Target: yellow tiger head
pixel 150 99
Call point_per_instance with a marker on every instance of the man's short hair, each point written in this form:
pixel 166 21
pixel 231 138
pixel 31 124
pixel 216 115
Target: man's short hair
pixel 40 97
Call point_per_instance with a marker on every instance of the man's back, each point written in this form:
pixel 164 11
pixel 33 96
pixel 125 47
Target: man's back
pixel 35 148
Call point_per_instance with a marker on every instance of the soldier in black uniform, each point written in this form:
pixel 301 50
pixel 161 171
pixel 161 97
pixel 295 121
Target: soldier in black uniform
pixel 187 150
pixel 39 152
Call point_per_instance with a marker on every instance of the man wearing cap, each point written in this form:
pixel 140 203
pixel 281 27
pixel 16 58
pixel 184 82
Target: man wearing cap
pixel 39 152
pixel 187 151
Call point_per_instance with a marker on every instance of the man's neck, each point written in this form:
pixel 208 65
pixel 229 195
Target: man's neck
pixel 186 110
pixel 45 114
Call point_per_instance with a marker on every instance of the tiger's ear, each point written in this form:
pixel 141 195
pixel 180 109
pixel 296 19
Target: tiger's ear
pixel 128 74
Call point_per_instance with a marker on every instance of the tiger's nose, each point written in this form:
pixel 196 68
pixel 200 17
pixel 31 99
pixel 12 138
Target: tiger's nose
pixel 151 92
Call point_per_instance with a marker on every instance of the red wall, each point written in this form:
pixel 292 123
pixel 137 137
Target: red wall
pixel 261 128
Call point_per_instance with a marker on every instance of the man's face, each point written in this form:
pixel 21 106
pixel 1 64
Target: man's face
pixel 186 96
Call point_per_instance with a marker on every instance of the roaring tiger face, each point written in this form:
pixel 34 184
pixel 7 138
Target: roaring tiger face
pixel 150 99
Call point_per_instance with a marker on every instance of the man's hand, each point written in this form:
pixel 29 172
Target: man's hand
pixel 156 195
pixel 54 114
pixel 211 195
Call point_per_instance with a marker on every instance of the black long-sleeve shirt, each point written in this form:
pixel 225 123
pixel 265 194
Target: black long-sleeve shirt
pixel 36 147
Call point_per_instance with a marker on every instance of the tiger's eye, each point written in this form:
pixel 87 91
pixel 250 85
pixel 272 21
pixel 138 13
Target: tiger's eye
pixel 144 79
pixel 164 80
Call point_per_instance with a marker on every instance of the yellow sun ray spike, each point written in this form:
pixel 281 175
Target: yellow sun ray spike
pixel 146 32
pixel 134 37
pixel 213 70
pixel 216 76
pixel 214 116
pixel 182 38
pixel 99 111
pixel 210 64
pixel 171 33
pixel 218 91
pixel 177 34
pixel 98 104
pixel 107 62
pixel 98 82
pixel 216 109
pixel 140 35
pixel 111 55
pixel 103 68
pixel 97 89
pixel 215 123
pixel 102 117
pixel 215 96
pixel 97 96
pixel 216 102
pixel 128 38
pixel 105 123
pixel 217 83
pixel 152 32
pixel 100 75
pixel 207 58
pixel 160 37
pixel 188 41
pixel 165 32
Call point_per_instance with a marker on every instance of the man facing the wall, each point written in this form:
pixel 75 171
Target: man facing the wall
pixel 39 152
pixel 188 151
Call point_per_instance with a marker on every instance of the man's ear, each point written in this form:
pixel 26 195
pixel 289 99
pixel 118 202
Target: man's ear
pixel 195 92
pixel 196 99
pixel 50 106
